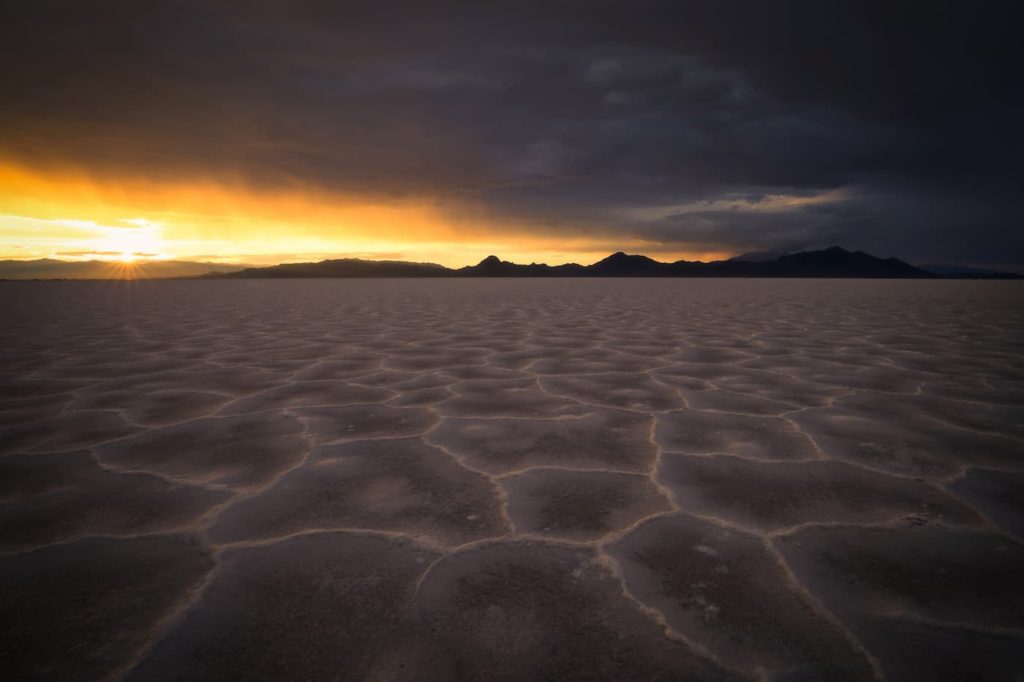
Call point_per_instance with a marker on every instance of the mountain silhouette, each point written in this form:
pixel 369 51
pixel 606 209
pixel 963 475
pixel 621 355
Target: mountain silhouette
pixel 838 262
pixel 341 267
pixel 492 266
pixel 831 262
pixel 621 265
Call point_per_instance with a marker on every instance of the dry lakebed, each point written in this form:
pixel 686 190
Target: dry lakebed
pixel 454 479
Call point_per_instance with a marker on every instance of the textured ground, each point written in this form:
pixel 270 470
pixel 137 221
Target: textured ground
pixel 512 480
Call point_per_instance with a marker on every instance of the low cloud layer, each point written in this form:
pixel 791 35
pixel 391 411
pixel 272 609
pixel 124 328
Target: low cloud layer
pixel 892 127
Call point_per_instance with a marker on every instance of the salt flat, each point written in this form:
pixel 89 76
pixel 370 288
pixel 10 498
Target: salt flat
pixel 512 480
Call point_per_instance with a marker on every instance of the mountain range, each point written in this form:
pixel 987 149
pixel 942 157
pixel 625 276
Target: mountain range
pixel 831 262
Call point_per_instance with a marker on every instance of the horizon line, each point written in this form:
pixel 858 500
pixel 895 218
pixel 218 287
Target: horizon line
pixel 204 259
pixel 132 267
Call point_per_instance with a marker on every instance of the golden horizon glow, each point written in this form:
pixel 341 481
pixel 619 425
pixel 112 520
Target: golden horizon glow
pixel 68 214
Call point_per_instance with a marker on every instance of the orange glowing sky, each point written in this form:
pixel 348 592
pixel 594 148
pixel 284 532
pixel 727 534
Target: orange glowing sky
pixel 69 214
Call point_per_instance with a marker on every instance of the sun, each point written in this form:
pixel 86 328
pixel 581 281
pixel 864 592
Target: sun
pixel 132 242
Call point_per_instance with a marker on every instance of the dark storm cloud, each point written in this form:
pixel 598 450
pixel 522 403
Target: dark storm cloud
pixel 587 117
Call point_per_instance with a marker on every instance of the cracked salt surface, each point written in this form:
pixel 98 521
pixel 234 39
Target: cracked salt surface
pixel 518 480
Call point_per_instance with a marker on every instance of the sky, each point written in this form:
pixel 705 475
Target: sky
pixel 547 131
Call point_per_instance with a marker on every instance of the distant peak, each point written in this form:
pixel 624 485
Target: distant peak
pixel 620 256
pixel 491 260
pixel 836 249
